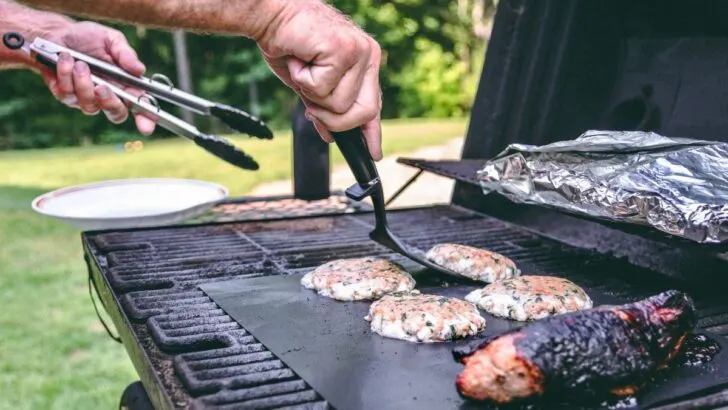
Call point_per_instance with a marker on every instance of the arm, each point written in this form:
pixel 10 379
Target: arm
pixel 31 24
pixel 71 82
pixel 315 50
pixel 249 18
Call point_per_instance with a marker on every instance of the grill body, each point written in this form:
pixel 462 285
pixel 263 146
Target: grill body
pixel 190 353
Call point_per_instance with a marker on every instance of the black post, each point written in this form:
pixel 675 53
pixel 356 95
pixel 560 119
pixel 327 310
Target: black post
pixel 311 168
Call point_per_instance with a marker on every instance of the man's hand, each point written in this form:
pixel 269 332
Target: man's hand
pixel 314 49
pixel 71 83
pixel 332 64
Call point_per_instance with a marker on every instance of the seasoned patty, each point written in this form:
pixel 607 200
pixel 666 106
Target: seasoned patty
pixel 473 263
pixel 415 317
pixel 358 279
pixel 530 297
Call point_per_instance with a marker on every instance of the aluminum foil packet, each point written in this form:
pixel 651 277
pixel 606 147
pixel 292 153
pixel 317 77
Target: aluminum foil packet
pixel 676 185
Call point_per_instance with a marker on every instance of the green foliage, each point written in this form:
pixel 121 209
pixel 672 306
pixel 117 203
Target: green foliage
pixel 431 83
pixel 430 68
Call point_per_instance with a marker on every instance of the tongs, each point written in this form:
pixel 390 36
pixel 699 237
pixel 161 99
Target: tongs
pixel 354 149
pixel 47 53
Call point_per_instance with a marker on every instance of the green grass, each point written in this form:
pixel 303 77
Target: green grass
pixel 182 159
pixel 53 352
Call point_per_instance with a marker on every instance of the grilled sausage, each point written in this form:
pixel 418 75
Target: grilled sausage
pixel 608 350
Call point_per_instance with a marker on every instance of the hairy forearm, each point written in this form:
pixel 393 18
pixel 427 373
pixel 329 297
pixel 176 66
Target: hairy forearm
pixel 28 22
pixel 249 18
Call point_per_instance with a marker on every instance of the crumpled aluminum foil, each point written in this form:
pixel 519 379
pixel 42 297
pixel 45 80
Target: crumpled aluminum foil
pixel 676 185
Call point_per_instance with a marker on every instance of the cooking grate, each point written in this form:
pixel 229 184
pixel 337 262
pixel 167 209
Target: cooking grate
pixel 250 209
pixel 463 170
pixel 200 355
pixel 466 171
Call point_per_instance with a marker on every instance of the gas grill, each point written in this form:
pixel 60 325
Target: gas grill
pixel 553 70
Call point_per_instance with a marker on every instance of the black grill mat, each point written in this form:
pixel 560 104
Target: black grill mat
pixel 329 345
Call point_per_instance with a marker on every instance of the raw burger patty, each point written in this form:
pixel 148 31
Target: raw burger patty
pixel 530 297
pixel 473 263
pixel 358 279
pixel 414 317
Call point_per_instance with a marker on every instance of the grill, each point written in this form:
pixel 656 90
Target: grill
pixel 194 354
pixel 554 69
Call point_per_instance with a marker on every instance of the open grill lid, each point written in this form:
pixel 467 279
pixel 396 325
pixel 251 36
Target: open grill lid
pixel 557 69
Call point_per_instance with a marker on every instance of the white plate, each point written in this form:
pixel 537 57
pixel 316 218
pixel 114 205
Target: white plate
pixel 130 203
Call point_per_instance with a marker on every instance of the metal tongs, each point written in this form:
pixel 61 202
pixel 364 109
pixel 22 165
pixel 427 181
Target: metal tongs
pixel 354 149
pixel 47 53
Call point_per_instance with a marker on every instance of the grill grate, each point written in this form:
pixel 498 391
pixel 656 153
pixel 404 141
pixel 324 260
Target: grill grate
pixel 217 364
pixel 463 170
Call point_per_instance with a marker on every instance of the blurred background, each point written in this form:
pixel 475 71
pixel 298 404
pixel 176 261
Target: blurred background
pixel 433 51
pixel 54 353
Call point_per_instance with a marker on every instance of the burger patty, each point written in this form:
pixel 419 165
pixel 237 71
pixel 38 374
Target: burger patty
pixel 530 297
pixel 358 279
pixel 415 317
pixel 473 263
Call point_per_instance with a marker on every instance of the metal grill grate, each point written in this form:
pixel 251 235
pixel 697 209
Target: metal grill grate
pixel 463 170
pixel 217 364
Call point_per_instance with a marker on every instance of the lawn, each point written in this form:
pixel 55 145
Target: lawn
pixel 53 352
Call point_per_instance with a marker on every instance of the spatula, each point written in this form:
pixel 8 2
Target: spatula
pixel 352 146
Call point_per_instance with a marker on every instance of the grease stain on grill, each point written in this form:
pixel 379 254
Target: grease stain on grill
pixel 698 349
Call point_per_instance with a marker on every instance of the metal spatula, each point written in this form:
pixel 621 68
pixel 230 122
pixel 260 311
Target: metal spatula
pixel 352 146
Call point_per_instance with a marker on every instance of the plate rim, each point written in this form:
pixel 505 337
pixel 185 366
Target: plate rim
pixel 36 204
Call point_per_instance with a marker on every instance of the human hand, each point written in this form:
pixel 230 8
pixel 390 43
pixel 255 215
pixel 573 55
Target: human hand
pixel 332 64
pixel 71 82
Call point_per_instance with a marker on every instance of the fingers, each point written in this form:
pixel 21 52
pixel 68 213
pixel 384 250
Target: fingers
pixel 83 88
pixel 114 110
pixel 332 80
pixel 145 122
pixel 373 135
pixel 364 112
pixel 123 54
pixel 73 86
pixel 320 128
pixel 64 74
pixel 340 87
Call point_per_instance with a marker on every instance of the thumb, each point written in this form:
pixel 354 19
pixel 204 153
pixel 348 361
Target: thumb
pixel 299 74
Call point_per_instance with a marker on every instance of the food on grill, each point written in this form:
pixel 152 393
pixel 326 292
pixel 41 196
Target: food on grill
pixel 473 263
pixel 530 297
pixel 416 317
pixel 608 350
pixel 358 279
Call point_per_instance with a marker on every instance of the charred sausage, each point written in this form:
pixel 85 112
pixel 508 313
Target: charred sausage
pixel 601 351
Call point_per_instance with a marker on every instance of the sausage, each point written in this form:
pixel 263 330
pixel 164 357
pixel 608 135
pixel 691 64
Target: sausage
pixel 608 350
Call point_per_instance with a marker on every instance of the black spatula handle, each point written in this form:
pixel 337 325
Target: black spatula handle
pixel 352 146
